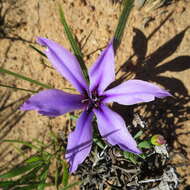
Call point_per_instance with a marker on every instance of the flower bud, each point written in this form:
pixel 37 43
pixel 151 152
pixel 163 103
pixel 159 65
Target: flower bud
pixel 158 140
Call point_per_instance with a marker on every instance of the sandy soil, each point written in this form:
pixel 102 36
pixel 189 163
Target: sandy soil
pixel 157 51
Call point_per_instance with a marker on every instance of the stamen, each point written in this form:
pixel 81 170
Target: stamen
pixel 85 100
pixel 92 101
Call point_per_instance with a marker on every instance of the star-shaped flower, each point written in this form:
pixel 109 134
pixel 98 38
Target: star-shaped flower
pixel 92 100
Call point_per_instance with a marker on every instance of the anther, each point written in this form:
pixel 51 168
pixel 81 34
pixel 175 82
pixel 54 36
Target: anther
pixel 84 101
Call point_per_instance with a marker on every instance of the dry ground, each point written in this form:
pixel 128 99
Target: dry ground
pixel 157 51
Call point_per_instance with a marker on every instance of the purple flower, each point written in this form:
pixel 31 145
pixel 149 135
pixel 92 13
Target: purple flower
pixel 92 99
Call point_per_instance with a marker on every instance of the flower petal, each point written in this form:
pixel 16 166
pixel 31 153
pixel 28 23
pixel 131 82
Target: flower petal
pixel 65 63
pixel 112 127
pixel 80 141
pixel 133 92
pixel 53 102
pixel 102 73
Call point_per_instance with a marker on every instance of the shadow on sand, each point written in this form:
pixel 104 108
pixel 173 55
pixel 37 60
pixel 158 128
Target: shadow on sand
pixel 163 116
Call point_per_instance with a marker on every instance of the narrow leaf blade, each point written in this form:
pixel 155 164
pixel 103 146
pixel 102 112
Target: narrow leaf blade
pixel 145 144
pixel 28 144
pixel 70 186
pixel 138 134
pixel 38 51
pixel 34 159
pixel 74 44
pixel 65 178
pixel 15 88
pixel 30 176
pixel 130 156
pixel 43 176
pixel 20 170
pixel 128 5
pixel 6 184
pixel 2 70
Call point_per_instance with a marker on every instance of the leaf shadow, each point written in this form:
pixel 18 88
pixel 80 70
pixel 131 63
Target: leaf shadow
pixel 148 68
pixel 7 25
pixel 164 116
pixel 10 114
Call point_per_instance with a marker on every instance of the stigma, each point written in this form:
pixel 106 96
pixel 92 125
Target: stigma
pixel 92 101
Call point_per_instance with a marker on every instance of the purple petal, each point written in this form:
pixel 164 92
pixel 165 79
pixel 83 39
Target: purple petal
pixel 53 102
pixel 102 72
pixel 112 127
pixel 65 63
pixel 80 141
pixel 133 92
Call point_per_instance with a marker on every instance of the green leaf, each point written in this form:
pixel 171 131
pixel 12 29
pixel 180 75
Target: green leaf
pixel 6 86
pixel 30 176
pixel 43 177
pixel 128 5
pixel 99 142
pixel 130 156
pixel 73 117
pixel 142 156
pixel 20 170
pixel 56 175
pixel 74 44
pixel 28 144
pixel 38 51
pixel 31 186
pixel 41 186
pixel 138 134
pixel 71 185
pixel 26 187
pixel 145 144
pixel 24 78
pixel 44 173
pixel 34 159
pixel 65 178
pixel 6 184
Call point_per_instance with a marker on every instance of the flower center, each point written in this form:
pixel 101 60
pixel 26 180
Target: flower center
pixel 92 101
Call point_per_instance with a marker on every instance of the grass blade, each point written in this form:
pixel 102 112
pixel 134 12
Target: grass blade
pixel 73 117
pixel 23 78
pixel 23 180
pixel 31 186
pixel 70 186
pixel 130 156
pixel 30 176
pixel 37 50
pixel 128 5
pixel 6 184
pixel 34 159
pixel 98 142
pixel 145 144
pixel 74 44
pixel 139 133
pixel 28 144
pixel 6 86
pixel 65 178
pixel 43 176
pixel 20 170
